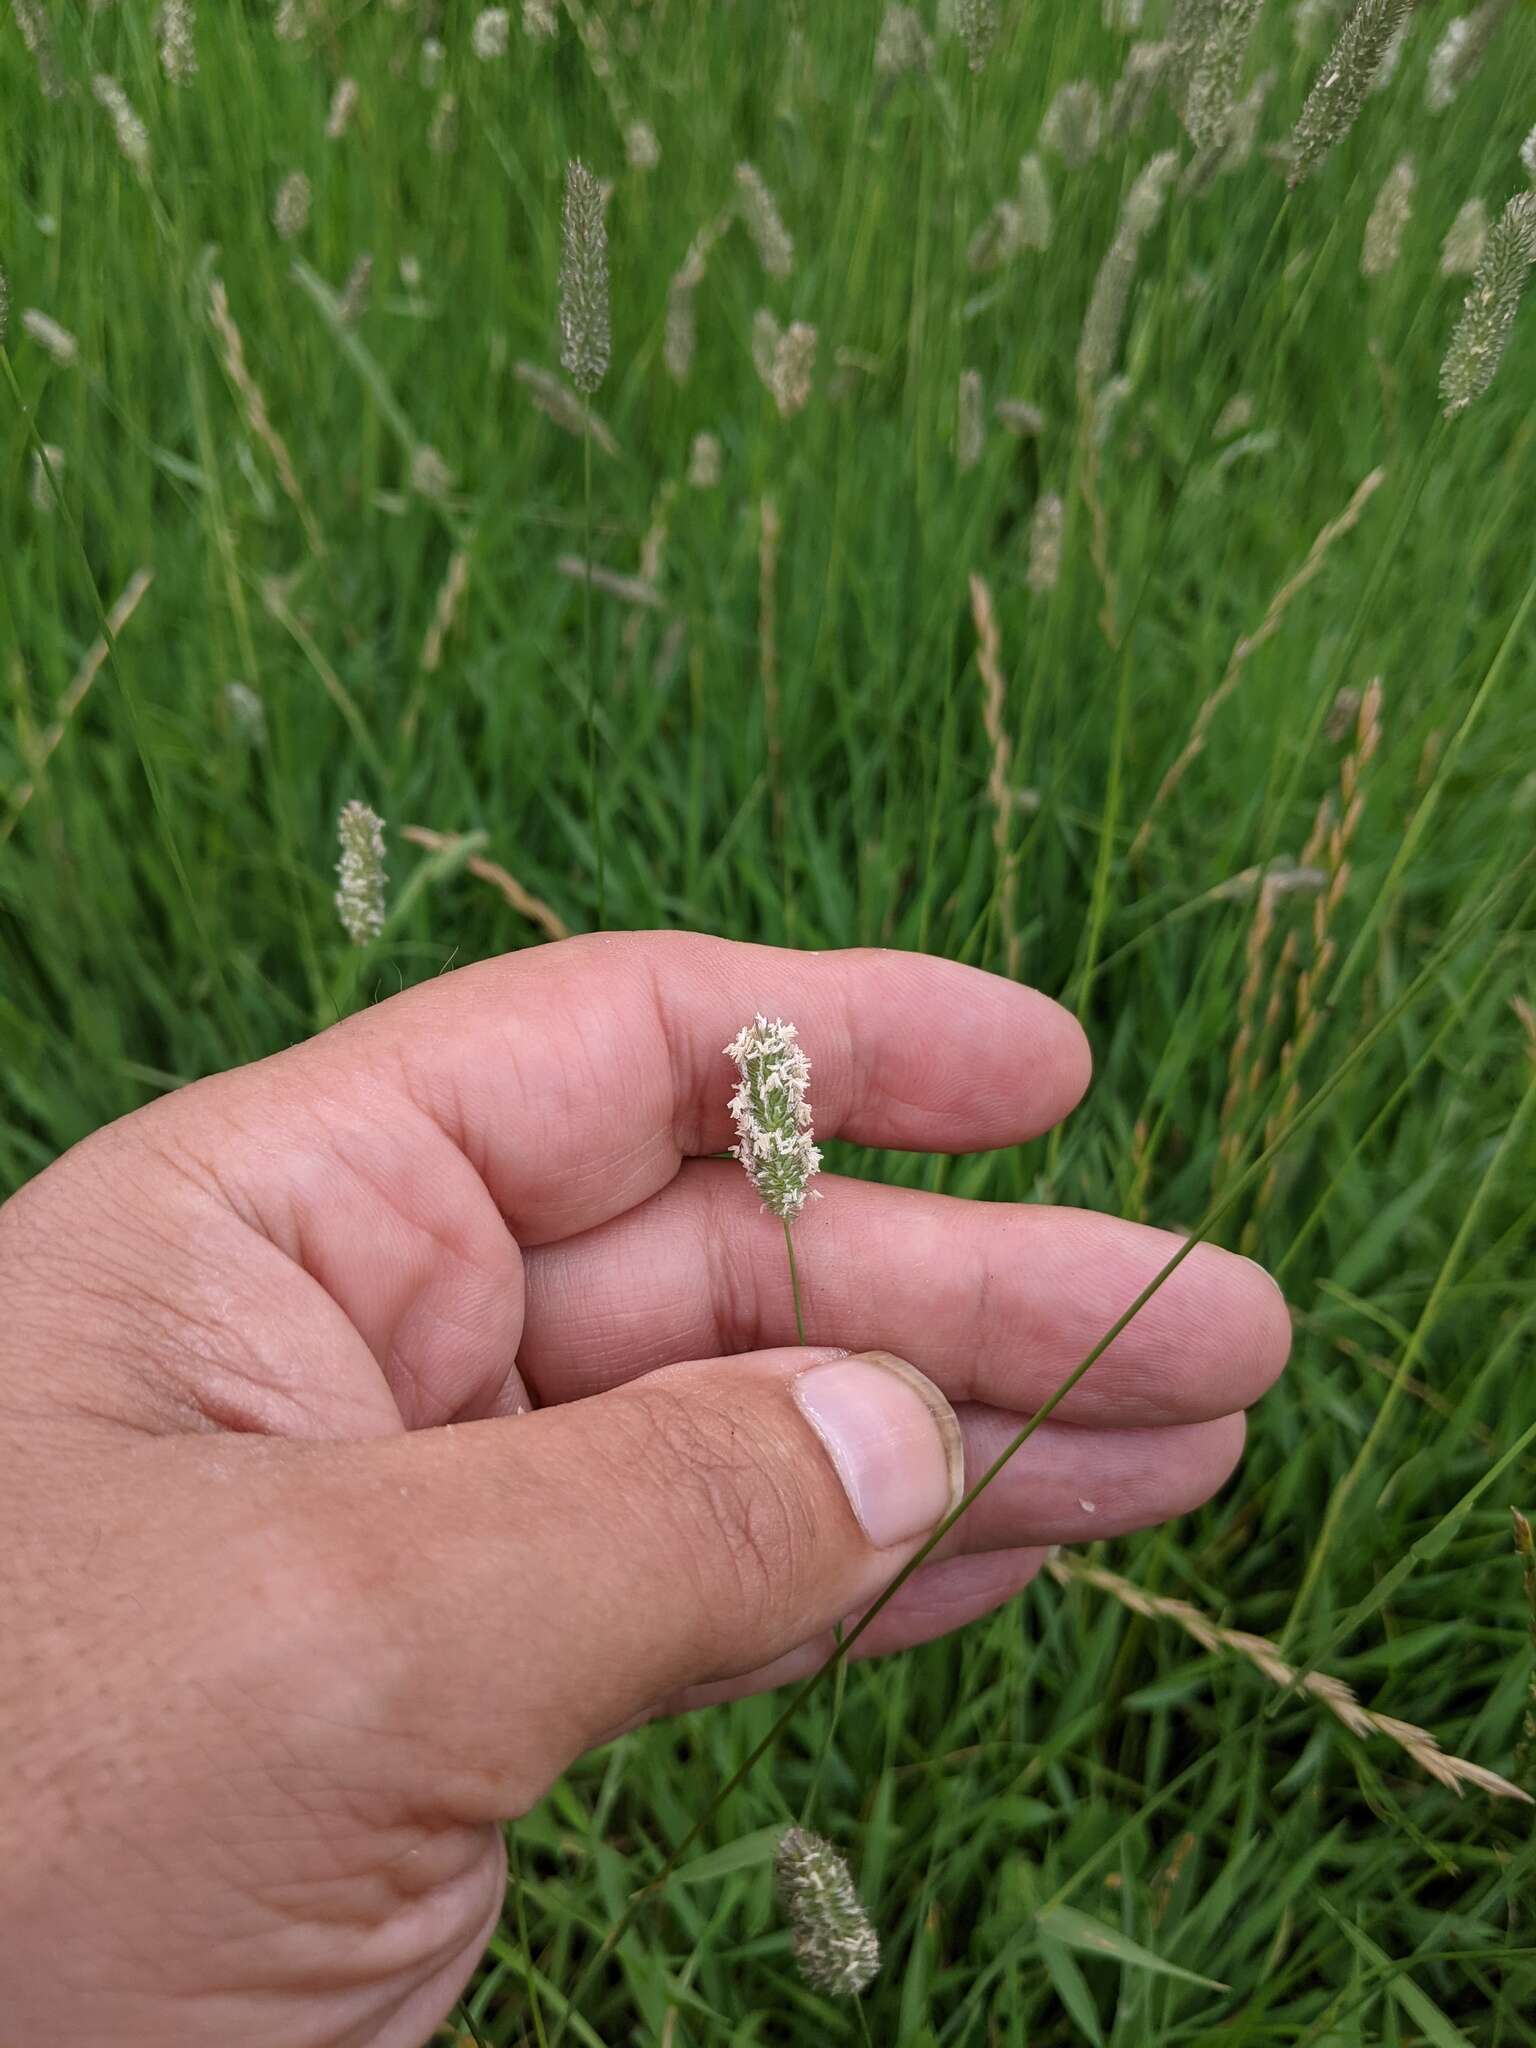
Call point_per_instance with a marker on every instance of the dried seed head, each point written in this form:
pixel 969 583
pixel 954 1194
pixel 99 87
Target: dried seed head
pixel 794 366
pixel 772 240
pixel 49 335
pixel 430 475
pixel 1389 219
pixel 773 1117
pixel 1339 93
pixel 41 486
pixel 704 462
pixel 245 710
pixel 343 105
pixel 1459 54
pixel 1045 531
pixel 1211 96
pixel 1105 318
pixel 976 24
pixel 489 36
pixel 1073 124
pixel 178 42
pixel 584 334
pixel 970 421
pixel 903 43
pixel 642 152
pixel 290 209
pixel 834 1943
pixel 132 135
pixel 1130 102
pixel 1465 239
pixel 1489 312
pixel 360 872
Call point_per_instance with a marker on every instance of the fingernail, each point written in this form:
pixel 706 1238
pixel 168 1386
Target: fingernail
pixel 893 1439
pixel 1265 1271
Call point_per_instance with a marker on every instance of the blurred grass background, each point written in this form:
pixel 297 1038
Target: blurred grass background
pixel 802 755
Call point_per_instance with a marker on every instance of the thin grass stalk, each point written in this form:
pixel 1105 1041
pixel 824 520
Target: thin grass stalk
pixel 1329 1692
pixel 1249 644
pixel 522 900
pixel 240 1037
pixel 999 779
pixel 1482 910
pixel 1339 1495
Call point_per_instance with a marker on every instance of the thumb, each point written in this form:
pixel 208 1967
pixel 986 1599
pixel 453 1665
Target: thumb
pixel 547 1577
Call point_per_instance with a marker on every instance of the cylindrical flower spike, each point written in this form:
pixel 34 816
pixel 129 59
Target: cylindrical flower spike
pixel 773 1117
pixel 1334 103
pixel 1491 305
pixel 360 872
pixel 584 333
pixel 835 1945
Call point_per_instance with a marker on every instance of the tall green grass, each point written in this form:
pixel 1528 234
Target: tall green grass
pixel 165 890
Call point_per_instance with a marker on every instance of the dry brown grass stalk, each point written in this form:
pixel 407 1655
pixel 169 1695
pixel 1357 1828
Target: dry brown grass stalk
pixel 257 417
pixel 522 901
pixel 994 712
pixel 1417 1744
pixel 75 695
pixel 1249 645
pixel 1240 1063
pixel 1335 829
pixel 445 613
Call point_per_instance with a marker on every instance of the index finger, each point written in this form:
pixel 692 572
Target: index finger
pixel 577 1078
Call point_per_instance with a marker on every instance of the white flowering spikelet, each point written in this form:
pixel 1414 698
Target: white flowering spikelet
pixel 360 872
pixel 977 25
pixel 1459 54
pixel 1211 95
pixel 774 244
pixel 1489 312
pixel 1045 531
pixel 1105 318
pixel 1340 91
pixel 178 43
pixel 834 1943
pixel 47 470
pixel 57 341
pixel 290 209
pixel 1465 240
pixel 772 1116
pixel 1528 156
pixel 490 34
pixel 1389 219
pixel 343 106
pixel 903 44
pixel 540 20
pixel 584 328
pixel 704 462
pixel 1131 98
pixel 1073 124
pixel 642 152
pixel 132 135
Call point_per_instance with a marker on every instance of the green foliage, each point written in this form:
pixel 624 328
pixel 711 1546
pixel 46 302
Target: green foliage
pixel 165 892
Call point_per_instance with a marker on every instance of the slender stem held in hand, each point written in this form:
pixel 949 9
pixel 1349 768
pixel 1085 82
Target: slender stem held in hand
pixel 794 1280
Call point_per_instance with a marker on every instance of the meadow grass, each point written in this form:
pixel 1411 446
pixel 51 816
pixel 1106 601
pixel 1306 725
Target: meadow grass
pixel 1077 1822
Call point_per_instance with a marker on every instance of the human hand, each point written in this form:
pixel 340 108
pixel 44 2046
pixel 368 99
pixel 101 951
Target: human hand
pixel 350 1485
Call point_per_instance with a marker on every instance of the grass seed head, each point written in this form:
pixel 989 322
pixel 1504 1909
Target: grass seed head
pixel 132 135
pixel 1389 218
pixel 1334 103
pixel 490 35
pixel 1528 156
pixel 584 331
pixel 290 209
pixel 540 21
pixel 53 339
pixel 360 877
pixel 903 44
pixel 343 106
pixel 1045 533
pixel 772 240
pixel 976 23
pixel 1459 54
pixel 178 41
pixel 1465 240
pixel 772 1116
pixel 1211 98
pixel 1073 124
pixel 835 1945
pixel 704 462
pixel 1488 314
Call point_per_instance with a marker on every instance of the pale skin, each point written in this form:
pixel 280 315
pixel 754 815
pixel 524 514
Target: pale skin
pixel 385 1424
